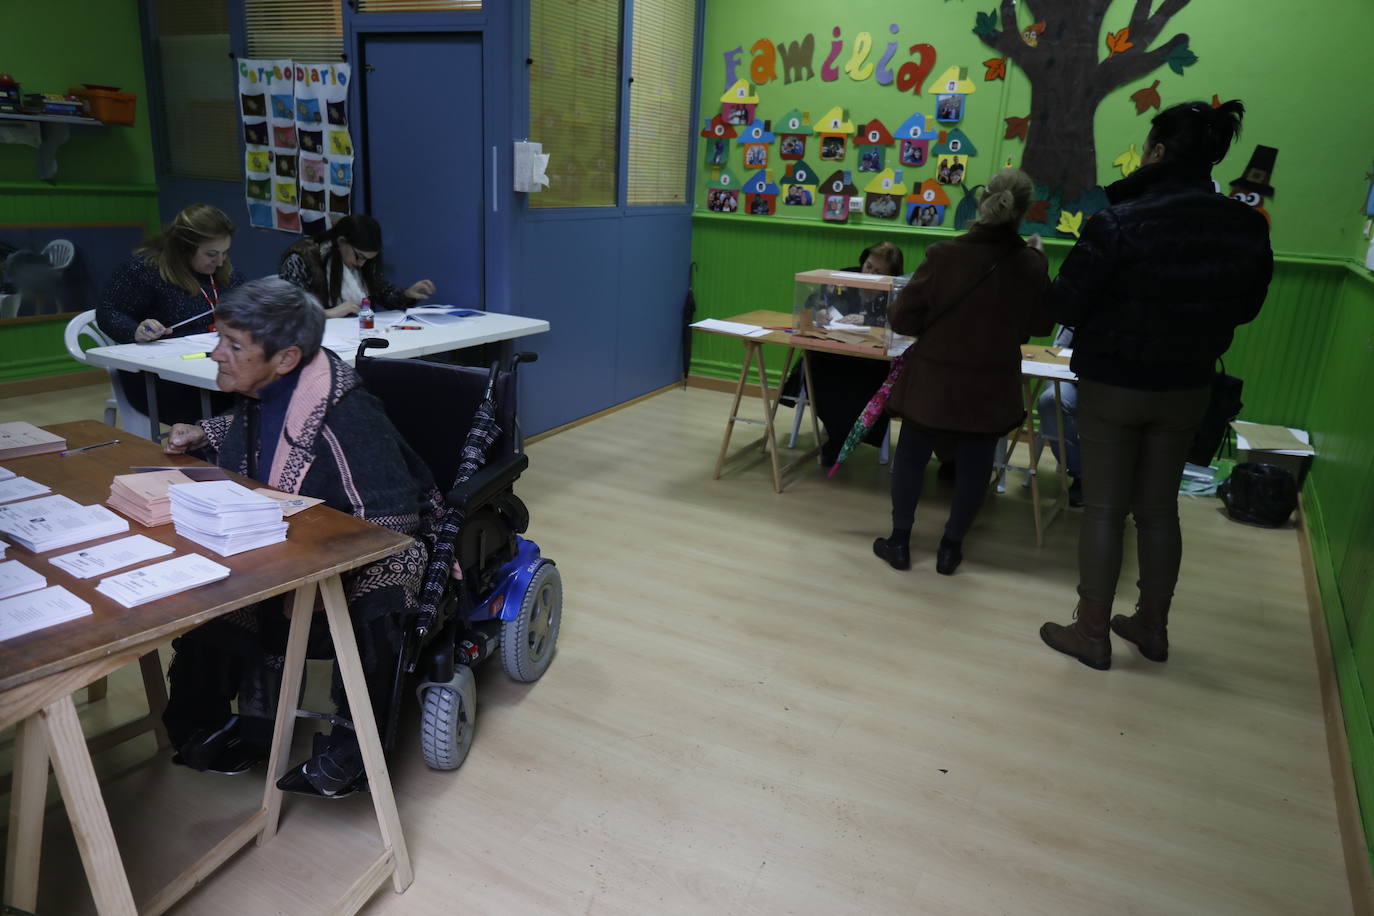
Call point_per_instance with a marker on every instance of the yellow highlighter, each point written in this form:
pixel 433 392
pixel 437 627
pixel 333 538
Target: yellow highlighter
pixel 194 355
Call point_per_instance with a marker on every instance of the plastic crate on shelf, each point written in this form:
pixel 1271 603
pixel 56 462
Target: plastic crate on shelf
pixel 108 104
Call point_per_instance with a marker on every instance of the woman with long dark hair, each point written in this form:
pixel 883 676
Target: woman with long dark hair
pixel 1154 290
pixel 344 265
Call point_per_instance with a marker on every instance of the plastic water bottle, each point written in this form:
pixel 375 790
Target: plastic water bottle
pixel 365 316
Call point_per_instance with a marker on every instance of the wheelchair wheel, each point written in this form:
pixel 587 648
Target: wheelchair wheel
pixel 528 641
pixel 446 724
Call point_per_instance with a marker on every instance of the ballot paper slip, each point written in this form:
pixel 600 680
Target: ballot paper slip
pixel 16 578
pixel 440 314
pixel 21 488
pixel 226 517
pixel 144 497
pixel 160 580
pixel 291 503
pixel 18 439
pixel 36 610
pixel 6 473
pixel 731 327
pixel 111 555
pixel 50 522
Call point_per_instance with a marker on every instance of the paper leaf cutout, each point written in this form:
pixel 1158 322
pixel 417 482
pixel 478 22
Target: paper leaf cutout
pixel 1146 98
pixel 1016 128
pixel 997 69
pixel 1180 57
pixel 1128 161
pixel 1118 42
pixel 986 25
pixel 1071 223
pixel 1037 212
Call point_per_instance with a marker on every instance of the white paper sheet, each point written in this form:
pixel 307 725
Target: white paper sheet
pixel 160 580
pixel 112 555
pixel 6 473
pixel 36 610
pixel 16 578
pixel 731 327
pixel 21 488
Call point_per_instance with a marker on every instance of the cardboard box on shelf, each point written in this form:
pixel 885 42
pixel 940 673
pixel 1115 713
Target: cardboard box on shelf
pixel 1284 447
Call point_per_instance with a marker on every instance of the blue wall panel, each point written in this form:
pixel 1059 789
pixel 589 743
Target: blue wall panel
pixel 653 284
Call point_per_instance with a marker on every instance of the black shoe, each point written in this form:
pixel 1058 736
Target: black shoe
pixel 335 771
pixel 1076 493
pixel 898 556
pixel 221 751
pixel 948 557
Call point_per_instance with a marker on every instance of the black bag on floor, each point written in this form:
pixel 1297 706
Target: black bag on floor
pixel 1260 494
pixel 1223 407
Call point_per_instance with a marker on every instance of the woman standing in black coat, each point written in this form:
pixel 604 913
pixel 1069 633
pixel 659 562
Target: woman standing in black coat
pixel 1154 290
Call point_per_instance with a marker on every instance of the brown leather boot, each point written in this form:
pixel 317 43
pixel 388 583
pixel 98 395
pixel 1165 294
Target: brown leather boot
pixel 1086 639
pixel 1147 628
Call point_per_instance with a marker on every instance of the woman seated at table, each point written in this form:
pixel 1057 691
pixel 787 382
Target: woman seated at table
pixel 302 423
pixel 344 265
pixel 169 288
pixel 844 384
pixel 973 301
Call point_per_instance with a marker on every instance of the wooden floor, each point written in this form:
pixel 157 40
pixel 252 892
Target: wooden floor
pixel 750 714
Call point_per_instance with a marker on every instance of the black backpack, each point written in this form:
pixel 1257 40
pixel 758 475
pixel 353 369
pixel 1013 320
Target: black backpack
pixel 1260 494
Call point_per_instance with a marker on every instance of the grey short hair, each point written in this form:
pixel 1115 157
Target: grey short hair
pixel 277 315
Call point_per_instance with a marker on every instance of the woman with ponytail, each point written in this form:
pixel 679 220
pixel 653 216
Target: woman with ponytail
pixel 1154 290
pixel 344 265
pixel 972 303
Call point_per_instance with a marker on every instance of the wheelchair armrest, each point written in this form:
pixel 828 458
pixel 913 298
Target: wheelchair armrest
pixel 487 482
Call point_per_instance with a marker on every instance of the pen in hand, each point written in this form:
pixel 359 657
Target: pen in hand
pixel 86 448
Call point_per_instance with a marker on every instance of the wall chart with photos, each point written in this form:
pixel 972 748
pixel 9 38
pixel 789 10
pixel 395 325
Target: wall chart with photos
pixel 298 153
pixel 911 110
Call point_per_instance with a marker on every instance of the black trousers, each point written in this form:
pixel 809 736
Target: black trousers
pixel 973 457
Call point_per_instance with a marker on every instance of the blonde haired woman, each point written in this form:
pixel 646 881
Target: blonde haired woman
pixel 972 303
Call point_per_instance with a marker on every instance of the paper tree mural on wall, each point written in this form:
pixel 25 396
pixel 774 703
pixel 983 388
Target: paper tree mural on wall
pixel 836 192
pixel 915 139
pixel 722 194
pixel 799 185
pixel 834 130
pixel 926 205
pixel 718 135
pixel 756 138
pixel 951 156
pixel 872 142
pixel 760 194
pixel 793 130
pixel 883 195
pixel 1069 77
pixel 738 103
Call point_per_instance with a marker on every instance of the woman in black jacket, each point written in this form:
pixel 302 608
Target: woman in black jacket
pixel 344 265
pixel 1154 290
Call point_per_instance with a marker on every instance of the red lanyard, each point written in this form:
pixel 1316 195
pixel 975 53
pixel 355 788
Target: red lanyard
pixel 212 302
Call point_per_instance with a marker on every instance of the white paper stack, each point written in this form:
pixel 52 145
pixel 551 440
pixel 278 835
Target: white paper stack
pixel 16 578
pixel 226 517
pixel 50 522
pixel 35 610
pixel 139 586
pixel 111 555
pixel 6 473
pixel 21 488
pixel 18 439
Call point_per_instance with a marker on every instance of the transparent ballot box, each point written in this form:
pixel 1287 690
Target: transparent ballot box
pixel 847 308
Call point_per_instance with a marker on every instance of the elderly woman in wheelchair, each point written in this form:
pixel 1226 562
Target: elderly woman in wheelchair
pixel 303 422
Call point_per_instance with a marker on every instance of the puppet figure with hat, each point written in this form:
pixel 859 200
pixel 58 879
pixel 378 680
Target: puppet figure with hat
pixel 1252 187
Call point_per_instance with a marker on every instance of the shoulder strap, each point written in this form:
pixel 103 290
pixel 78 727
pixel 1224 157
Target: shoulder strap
pixel 947 310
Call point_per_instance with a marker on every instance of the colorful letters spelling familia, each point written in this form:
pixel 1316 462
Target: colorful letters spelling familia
pixel 798 61
pixel 298 164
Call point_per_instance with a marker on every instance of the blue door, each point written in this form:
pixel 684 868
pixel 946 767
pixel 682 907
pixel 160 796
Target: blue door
pixel 422 104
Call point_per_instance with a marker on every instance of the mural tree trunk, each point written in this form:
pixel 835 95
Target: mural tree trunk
pixel 1068 80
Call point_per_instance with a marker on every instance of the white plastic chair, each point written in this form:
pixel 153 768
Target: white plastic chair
pixel 117 407
pixel 9 304
pixel 59 253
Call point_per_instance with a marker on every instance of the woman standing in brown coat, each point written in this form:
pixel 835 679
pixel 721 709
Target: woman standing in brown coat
pixel 972 303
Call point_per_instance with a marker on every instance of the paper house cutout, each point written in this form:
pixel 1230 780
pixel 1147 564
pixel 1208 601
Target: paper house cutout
pixel 756 139
pixel 835 123
pixel 914 138
pixel 799 185
pixel 836 192
pixel 793 129
pixel 738 103
pixel 883 195
pixel 757 132
pixel 926 205
pixel 955 143
pixel 760 194
pixel 717 128
pixel 872 140
pixel 950 169
pixel 722 194
pixel 954 80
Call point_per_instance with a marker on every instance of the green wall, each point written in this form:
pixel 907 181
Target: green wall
pixel 105 175
pixel 1290 77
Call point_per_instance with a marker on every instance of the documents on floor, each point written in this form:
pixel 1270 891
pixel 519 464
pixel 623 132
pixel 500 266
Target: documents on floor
pixel 226 517
pixel 18 439
pixel 50 522
pixel 36 610
pixel 16 578
pixel 139 586
pixel 112 555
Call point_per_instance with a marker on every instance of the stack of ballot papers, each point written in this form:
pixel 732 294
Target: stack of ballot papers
pixel 18 439
pixel 50 522
pixel 139 586
pixel 16 578
pixel 36 610
pixel 144 497
pixel 109 556
pixel 14 488
pixel 226 517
